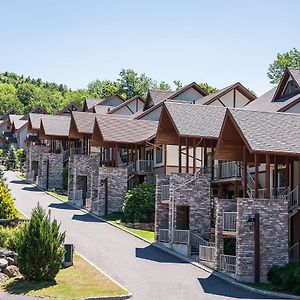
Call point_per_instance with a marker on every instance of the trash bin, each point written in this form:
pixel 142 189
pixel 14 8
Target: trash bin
pixel 69 248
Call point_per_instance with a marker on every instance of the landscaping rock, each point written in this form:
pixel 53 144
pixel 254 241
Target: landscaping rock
pixel 3 278
pixel 12 271
pixel 5 253
pixel 3 263
pixel 10 261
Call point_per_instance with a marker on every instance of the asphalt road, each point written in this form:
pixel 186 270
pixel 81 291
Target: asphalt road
pixel 149 273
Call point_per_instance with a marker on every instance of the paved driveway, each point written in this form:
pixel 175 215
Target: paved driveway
pixel 149 273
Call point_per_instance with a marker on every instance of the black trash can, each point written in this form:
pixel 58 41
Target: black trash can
pixel 69 248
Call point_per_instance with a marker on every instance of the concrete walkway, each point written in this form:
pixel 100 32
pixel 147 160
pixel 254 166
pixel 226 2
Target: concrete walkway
pixel 149 273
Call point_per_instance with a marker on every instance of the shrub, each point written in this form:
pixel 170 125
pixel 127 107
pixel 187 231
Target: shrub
pixel 64 175
pixel 12 159
pixel 139 202
pixel 7 206
pixel 2 154
pixel 286 278
pixel 8 237
pixel 20 153
pixel 39 245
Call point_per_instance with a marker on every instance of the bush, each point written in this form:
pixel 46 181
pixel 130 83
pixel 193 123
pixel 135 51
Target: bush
pixel 39 245
pixel 20 153
pixel 64 175
pixel 2 153
pixel 286 278
pixel 8 237
pixel 139 203
pixel 7 206
pixel 13 162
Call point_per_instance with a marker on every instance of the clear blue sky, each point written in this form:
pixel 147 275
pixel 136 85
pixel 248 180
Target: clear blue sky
pixel 218 41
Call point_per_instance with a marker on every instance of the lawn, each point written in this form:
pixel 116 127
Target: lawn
pixel 77 282
pixel 62 197
pixel 115 218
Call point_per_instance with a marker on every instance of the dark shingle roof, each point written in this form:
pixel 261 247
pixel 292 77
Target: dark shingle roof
pixel 56 125
pixel 196 120
pixel 269 131
pixel 84 121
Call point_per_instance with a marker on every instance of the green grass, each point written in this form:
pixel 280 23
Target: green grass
pixel 77 282
pixel 115 218
pixel 58 195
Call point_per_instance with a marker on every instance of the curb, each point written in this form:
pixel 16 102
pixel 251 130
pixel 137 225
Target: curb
pixel 178 255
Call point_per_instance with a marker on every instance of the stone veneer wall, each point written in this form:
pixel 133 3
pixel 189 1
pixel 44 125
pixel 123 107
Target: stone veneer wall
pixel 196 195
pixel 161 218
pixel 82 165
pixel 273 215
pixel 55 179
pixel 117 188
pixel 222 205
pixel 34 153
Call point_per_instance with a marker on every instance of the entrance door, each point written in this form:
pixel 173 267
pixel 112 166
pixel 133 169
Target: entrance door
pixel 183 217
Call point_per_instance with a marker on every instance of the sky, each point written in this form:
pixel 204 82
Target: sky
pixel 215 41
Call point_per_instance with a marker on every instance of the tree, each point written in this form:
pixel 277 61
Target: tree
pixel 207 88
pixel 103 89
pixel 9 98
pixel 139 202
pixel 39 245
pixel 163 86
pixel 286 59
pixel 12 159
pixel 178 84
pixel 7 207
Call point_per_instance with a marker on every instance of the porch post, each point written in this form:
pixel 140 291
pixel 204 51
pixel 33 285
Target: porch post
pixel 268 176
pixel 194 156
pixel 212 160
pixel 165 158
pixel 205 155
pixel 187 156
pixel 287 172
pixel 179 156
pixel 256 176
pixel 275 181
pixel 245 173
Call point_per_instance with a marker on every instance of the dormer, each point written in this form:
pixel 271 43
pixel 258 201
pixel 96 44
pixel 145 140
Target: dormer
pixel 289 84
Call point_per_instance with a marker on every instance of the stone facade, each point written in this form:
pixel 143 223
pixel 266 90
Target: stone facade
pixel 189 191
pixel 50 171
pixel 33 158
pixel 273 215
pixel 85 174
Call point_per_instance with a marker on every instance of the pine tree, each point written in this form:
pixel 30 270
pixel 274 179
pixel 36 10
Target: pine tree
pixel 7 206
pixel 39 246
pixel 12 161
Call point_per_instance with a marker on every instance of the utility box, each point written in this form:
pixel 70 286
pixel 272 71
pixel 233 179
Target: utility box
pixel 69 248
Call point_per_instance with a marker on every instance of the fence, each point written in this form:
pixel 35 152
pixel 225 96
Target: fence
pixel 181 236
pixel 163 235
pixel 228 263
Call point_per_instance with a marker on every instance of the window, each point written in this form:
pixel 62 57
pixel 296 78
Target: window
pixel 291 87
pixel 159 152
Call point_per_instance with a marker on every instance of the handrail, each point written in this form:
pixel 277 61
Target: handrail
pixel 181 236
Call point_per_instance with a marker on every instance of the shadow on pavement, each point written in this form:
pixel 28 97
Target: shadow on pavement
pixel 31 189
pixel 86 218
pixel 61 206
pixel 152 253
pixel 18 181
pixel 216 286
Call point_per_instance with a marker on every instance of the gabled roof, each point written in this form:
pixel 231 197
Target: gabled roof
pixel 192 120
pixel 103 102
pixel 294 73
pixel 126 103
pixel 12 118
pixel 102 109
pixel 36 110
pixel 56 126
pixel 83 122
pixel 12 111
pixel 18 124
pixel 193 85
pixel 266 103
pixel 270 132
pixel 112 129
pixel 72 106
pixel 214 96
pixel 90 102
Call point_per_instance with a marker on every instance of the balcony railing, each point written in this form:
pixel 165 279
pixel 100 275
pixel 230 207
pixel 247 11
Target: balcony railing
pixel 229 221
pixel 163 235
pixel 181 236
pixel 207 253
pixel 227 170
pixel 228 263
pixel 140 166
pixel 165 192
pixel 292 198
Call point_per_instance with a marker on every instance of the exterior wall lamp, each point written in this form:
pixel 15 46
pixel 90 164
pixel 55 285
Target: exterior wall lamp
pixel 250 222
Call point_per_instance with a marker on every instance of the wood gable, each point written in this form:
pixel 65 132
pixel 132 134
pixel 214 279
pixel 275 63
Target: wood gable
pixel 69 108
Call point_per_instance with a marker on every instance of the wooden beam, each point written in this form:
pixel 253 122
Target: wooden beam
pixel 256 176
pixel 268 176
pixel 165 159
pixel 275 181
pixel 187 156
pixel 287 172
pixel 245 181
pixel 194 156
pixel 179 156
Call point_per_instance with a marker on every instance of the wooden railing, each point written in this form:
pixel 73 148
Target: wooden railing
pixel 228 263
pixel 140 166
pixel 163 235
pixel 228 169
pixel 181 236
pixel 229 221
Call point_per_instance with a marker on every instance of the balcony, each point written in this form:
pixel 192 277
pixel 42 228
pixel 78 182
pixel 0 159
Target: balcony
pixel 140 167
pixel 229 223
pixel 227 170
pixel 165 193
pixel 228 263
